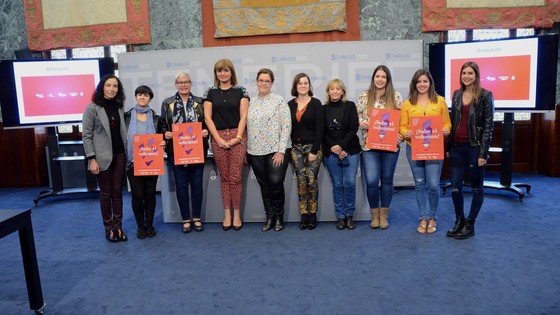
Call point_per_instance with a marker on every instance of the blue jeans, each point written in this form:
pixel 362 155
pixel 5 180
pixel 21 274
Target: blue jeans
pixel 379 164
pixel 343 177
pixel 464 159
pixel 184 176
pixel 426 177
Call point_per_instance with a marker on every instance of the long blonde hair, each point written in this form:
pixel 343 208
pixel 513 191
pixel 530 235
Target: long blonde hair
pixel 388 97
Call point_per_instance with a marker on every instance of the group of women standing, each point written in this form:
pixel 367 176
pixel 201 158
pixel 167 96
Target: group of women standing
pixel 268 133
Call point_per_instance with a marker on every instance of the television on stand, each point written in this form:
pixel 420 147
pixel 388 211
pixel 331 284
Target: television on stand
pixel 48 93
pixel 520 72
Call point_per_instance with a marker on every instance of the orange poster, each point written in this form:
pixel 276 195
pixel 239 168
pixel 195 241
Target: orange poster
pixel 383 129
pixel 427 138
pixel 187 143
pixel 148 155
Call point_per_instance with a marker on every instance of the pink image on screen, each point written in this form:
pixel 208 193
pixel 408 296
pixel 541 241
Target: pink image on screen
pixel 507 77
pixel 57 95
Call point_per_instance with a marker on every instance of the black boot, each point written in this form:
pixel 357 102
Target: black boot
pixel 312 223
pixel 341 224
pixel 459 223
pixel 279 223
pixel 467 231
pixel 304 221
pixel 350 223
pixel 269 224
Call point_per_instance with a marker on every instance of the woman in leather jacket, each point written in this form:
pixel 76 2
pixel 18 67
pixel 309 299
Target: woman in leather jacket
pixel 181 108
pixel 472 118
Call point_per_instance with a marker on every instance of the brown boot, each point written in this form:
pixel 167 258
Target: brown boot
pixel 383 216
pixel 374 218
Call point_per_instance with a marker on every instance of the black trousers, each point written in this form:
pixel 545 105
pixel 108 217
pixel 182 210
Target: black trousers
pixel 143 192
pixel 271 181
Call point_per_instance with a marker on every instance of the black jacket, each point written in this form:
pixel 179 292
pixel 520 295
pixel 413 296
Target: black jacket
pixel 311 127
pixel 345 135
pixel 480 120
pixel 166 120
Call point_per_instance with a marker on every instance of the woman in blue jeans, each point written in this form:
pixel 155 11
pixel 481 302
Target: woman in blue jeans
pixel 184 107
pixel 424 101
pixel 472 116
pixel 341 151
pixel 378 164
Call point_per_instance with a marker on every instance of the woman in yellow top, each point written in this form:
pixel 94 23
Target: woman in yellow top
pixel 424 101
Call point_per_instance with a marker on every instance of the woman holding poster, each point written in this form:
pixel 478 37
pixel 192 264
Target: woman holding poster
pixel 104 138
pixel 472 114
pixel 306 155
pixel 142 120
pixel 225 112
pixel 341 150
pixel 268 141
pixel 424 102
pixel 183 108
pixel 379 163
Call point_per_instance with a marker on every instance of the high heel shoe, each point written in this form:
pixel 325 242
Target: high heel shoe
pixel 236 215
pixel 110 235
pixel 121 236
pixel 268 225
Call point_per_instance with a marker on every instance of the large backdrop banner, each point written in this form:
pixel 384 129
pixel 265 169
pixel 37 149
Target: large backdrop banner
pixel 352 62
pixel 257 17
pixel 53 24
pixel 443 15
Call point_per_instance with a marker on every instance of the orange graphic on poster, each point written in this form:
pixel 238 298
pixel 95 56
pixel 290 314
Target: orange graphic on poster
pixel 187 143
pixel 148 155
pixel 427 138
pixel 383 129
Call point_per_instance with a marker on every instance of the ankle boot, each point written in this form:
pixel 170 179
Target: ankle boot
pixel 279 223
pixel 374 218
pixel 312 223
pixel 269 224
pixel 459 223
pixel 350 222
pixel 467 231
pixel 304 221
pixel 383 218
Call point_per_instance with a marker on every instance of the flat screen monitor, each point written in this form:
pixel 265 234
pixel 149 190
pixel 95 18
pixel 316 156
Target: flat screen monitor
pixel 48 92
pixel 520 72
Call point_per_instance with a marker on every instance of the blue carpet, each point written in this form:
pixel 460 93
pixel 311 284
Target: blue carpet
pixel 509 267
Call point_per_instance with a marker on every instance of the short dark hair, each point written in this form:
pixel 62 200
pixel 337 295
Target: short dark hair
pixel 144 89
pixel 266 71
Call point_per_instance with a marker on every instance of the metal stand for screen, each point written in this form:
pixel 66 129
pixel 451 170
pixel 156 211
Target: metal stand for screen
pixel 55 161
pixel 506 151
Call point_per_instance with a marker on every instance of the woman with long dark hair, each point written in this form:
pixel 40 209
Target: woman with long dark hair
pixel 378 165
pixel 424 101
pixel 472 117
pixel 104 136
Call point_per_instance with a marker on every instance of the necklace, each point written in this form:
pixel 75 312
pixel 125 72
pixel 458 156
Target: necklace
pixel 225 95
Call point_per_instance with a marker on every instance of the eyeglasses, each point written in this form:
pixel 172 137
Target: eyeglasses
pixel 264 81
pixel 183 82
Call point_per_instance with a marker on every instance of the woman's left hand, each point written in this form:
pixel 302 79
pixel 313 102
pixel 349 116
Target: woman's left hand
pixel 204 133
pixel 481 162
pixel 163 144
pixel 278 159
pixel 400 138
pixel 445 131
